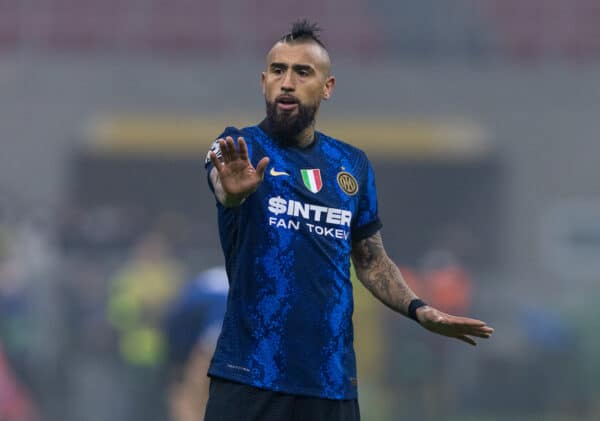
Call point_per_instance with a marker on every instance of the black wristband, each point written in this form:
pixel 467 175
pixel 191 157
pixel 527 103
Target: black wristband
pixel 412 308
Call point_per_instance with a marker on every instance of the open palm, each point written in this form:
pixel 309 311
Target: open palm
pixel 237 175
pixel 461 328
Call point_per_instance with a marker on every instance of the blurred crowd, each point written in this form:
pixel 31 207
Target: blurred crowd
pixel 82 315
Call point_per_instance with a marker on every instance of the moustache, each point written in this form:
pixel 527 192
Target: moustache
pixel 287 99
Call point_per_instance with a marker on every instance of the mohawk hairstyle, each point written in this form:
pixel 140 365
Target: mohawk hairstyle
pixel 304 30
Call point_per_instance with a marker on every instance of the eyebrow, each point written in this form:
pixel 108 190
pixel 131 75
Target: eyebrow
pixel 295 67
pixel 300 67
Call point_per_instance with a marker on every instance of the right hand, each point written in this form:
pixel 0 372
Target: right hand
pixel 238 177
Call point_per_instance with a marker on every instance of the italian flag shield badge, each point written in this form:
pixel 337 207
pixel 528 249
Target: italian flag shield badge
pixel 312 179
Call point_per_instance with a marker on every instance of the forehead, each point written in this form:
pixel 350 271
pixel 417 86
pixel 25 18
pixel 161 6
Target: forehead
pixel 308 53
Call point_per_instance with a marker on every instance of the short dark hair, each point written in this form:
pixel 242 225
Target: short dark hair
pixel 303 30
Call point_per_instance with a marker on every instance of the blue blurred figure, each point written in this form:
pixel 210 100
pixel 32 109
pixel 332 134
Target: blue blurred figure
pixel 192 327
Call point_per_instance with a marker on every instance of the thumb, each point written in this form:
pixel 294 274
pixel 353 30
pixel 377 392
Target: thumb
pixel 262 166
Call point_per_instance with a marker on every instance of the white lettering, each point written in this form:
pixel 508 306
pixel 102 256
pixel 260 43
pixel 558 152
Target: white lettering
pixel 314 213
pixel 318 211
pixel 282 223
pixel 346 217
pixel 334 216
pixel 341 234
pixel 277 205
pixel 327 232
pixel 302 209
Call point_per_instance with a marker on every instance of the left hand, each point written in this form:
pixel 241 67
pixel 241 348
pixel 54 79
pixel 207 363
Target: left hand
pixel 461 328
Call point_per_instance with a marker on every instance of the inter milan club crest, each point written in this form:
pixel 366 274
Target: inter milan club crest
pixel 312 179
pixel 347 183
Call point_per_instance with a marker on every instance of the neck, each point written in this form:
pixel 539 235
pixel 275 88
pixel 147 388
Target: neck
pixel 306 137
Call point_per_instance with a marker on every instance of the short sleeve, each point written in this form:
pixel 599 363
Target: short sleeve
pixel 367 220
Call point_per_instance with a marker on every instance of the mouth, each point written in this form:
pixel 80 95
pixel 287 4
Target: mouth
pixel 287 102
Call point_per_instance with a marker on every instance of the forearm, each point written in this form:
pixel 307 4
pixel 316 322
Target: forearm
pixel 380 275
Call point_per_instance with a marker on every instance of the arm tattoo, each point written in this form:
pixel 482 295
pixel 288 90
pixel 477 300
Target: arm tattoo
pixel 380 275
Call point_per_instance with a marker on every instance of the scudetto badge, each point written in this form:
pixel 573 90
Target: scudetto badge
pixel 347 183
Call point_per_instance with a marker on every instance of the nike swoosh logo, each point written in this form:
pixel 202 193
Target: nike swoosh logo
pixel 277 173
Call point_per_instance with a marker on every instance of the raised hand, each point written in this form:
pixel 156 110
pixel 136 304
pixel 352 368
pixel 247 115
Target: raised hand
pixel 237 177
pixel 461 328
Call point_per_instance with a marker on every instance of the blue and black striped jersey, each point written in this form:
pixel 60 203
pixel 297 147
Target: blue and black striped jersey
pixel 288 324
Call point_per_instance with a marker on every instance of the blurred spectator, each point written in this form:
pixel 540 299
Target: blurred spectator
pixel 84 307
pixel 192 327
pixel 15 403
pixel 138 296
pixel 26 257
pixel 446 283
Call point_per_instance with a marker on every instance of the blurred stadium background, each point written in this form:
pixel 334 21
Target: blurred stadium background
pixel 481 119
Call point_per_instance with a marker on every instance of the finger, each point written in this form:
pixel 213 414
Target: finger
pixel 480 335
pixel 215 161
pixel 231 148
pixel 261 167
pixel 479 329
pixel 466 321
pixel 471 322
pixel 487 329
pixel 243 149
pixel 224 150
pixel 466 339
pixel 477 333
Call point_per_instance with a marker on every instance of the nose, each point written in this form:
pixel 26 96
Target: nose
pixel 288 83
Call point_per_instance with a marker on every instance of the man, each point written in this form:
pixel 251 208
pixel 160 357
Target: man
pixel 285 351
pixel 192 326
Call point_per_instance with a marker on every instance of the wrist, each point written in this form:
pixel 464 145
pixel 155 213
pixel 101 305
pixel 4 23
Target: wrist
pixel 232 200
pixel 412 308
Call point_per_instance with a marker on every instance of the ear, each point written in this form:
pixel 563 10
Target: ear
pixel 328 87
pixel 263 76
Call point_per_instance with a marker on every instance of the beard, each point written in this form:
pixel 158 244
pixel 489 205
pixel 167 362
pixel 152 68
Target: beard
pixel 284 126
